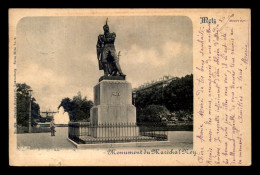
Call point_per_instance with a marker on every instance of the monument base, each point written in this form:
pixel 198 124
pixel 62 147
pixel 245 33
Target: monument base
pixel 113 114
pixel 113 118
pixel 112 77
pixel 144 143
pixel 118 131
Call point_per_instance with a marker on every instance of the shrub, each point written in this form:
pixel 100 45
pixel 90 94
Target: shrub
pixel 152 113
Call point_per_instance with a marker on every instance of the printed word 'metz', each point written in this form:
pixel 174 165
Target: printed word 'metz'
pixel 207 20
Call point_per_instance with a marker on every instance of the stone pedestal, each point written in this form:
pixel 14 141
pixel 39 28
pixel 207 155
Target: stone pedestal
pixel 113 114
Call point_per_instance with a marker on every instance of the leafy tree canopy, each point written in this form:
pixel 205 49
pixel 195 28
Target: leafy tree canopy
pixel 22 95
pixel 78 108
pixel 177 95
pixel 152 113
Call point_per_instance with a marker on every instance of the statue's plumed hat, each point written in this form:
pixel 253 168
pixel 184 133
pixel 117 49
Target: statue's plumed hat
pixel 106 25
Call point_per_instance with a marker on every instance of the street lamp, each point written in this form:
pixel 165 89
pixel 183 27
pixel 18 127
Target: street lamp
pixel 30 110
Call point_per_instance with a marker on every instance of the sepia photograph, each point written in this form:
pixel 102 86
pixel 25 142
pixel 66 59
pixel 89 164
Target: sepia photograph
pixel 95 81
pixel 129 87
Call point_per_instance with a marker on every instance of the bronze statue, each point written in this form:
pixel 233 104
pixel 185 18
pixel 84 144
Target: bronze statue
pixel 106 53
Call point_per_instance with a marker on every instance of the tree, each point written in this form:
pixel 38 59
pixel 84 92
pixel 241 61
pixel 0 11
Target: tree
pixel 78 108
pixel 178 95
pixel 22 95
pixel 152 113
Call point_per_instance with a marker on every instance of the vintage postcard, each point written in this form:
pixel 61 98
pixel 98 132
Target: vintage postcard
pixel 130 87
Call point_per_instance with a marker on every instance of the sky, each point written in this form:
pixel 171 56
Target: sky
pixel 61 117
pixel 56 56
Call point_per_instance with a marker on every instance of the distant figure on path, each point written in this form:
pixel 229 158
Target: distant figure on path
pixel 52 126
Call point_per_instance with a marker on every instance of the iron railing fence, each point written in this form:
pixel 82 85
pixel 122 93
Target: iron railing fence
pixel 84 132
pixel 154 129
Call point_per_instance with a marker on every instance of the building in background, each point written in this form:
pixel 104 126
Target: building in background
pixel 160 83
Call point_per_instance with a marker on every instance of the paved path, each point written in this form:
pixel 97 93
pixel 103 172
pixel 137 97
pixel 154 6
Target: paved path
pixel 178 139
pixel 45 140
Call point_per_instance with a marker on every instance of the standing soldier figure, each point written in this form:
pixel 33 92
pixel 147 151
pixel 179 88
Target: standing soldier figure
pixel 106 48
